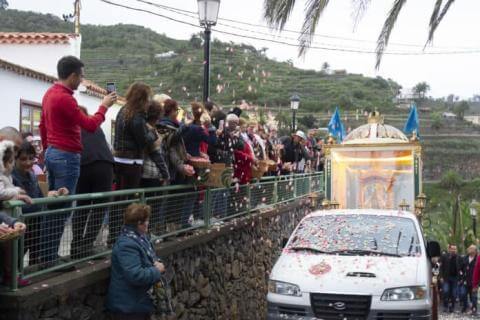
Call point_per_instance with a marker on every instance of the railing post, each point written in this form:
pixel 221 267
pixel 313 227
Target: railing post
pixel 249 199
pixel 309 184
pixel 14 254
pixel 142 197
pixel 275 190
pixel 294 186
pixel 207 207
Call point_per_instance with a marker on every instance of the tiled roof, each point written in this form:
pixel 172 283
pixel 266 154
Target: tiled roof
pixel 35 38
pixel 24 71
pixel 92 88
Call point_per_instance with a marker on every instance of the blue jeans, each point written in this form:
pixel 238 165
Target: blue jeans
pixel 63 171
pixel 449 293
pixel 188 207
pixel 220 203
pixel 467 296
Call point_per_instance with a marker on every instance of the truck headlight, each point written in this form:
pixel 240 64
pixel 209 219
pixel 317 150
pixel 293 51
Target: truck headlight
pixel 404 294
pixel 284 288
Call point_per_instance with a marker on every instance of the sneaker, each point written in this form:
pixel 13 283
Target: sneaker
pixel 20 281
pixel 23 282
pixel 198 223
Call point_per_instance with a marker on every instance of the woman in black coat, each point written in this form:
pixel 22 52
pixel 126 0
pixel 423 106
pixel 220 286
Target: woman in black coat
pixel 96 175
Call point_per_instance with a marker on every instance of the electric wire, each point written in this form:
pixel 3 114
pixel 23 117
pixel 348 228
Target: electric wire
pixel 336 49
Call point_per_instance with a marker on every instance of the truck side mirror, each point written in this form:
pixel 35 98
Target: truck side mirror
pixel 433 249
pixel 284 242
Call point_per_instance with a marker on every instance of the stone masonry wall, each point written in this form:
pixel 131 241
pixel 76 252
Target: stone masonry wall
pixel 220 273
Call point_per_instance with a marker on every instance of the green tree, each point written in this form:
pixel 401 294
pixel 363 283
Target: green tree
pixel 453 183
pixel 421 89
pixel 460 109
pixel 283 120
pixel 3 4
pixel 437 121
pixel 325 67
pixel 308 121
pixel 195 41
pixel 277 13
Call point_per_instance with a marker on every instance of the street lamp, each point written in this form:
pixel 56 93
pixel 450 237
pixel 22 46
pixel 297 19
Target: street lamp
pixel 294 103
pixel 403 205
pixel 473 214
pixel 208 15
pixel 334 204
pixel 326 204
pixel 420 204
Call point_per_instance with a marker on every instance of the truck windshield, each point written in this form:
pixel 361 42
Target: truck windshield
pixel 357 235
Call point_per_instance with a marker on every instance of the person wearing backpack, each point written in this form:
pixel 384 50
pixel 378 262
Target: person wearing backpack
pixel 155 169
pixel 171 132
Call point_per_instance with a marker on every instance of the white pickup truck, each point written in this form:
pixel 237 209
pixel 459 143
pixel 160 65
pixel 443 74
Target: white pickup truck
pixel 354 264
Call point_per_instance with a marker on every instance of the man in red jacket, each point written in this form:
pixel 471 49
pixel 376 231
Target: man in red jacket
pixel 60 129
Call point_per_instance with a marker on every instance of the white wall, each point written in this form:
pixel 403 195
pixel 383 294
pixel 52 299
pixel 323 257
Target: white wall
pixel 107 125
pixel 39 57
pixel 15 87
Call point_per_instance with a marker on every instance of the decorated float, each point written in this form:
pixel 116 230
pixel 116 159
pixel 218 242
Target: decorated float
pixel 376 166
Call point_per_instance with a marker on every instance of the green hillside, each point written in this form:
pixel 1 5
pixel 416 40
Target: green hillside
pixel 125 53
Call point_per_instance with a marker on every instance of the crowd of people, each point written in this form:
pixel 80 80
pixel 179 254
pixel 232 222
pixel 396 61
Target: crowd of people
pixel 459 278
pixel 157 143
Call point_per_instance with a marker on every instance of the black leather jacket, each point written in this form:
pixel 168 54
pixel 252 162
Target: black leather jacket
pixel 132 137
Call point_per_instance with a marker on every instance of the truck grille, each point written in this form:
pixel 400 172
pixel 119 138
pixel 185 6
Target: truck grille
pixel 340 307
pixel 291 311
pixel 414 315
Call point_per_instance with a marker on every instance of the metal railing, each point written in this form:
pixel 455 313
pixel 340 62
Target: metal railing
pixel 68 230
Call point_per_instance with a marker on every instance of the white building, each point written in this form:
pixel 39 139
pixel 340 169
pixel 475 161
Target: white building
pixel 38 51
pixel 475 119
pixel 28 63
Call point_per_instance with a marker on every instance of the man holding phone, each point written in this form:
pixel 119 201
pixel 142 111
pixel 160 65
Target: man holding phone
pixel 60 128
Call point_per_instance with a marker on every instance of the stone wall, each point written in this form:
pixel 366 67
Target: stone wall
pixel 220 273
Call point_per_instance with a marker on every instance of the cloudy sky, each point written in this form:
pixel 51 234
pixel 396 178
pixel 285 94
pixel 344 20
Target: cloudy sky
pixel 454 72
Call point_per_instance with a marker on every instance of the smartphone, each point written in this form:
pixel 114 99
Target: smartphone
pixel 111 87
pixel 221 123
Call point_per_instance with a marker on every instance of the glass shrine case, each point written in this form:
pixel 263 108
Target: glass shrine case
pixel 375 167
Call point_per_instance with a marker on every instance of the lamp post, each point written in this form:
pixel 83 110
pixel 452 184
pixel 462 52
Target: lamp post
pixel 334 204
pixel 420 205
pixel 208 15
pixel 473 214
pixel 294 103
pixel 403 205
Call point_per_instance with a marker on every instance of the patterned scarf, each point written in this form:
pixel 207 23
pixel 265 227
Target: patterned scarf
pixel 142 240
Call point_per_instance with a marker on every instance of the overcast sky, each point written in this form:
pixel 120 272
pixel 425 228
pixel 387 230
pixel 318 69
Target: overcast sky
pixel 446 73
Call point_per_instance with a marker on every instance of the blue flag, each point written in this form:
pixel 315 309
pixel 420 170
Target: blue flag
pixel 412 123
pixel 335 126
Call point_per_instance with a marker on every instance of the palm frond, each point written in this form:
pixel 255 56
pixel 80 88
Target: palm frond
pixel 359 9
pixel 277 12
pixel 313 11
pixel 388 25
pixel 436 10
pixel 434 24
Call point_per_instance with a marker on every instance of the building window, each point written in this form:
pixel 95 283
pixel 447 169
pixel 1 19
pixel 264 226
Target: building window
pixel 30 114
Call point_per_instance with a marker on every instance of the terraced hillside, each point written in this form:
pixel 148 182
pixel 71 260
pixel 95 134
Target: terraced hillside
pixel 125 53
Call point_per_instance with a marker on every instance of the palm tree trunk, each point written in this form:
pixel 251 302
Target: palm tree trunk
pixel 462 229
pixel 455 211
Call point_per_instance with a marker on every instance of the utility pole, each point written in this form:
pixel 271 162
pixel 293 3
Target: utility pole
pixel 77 16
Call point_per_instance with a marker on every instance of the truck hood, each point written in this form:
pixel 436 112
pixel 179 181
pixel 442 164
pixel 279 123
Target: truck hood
pixel 368 275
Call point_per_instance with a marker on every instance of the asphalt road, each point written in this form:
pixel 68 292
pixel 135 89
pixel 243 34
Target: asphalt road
pixel 456 316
